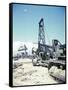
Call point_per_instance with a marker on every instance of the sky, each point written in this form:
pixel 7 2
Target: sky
pixel 27 17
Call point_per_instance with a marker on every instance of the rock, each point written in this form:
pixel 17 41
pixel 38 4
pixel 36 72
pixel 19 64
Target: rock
pixel 52 69
pixel 16 64
pixel 57 73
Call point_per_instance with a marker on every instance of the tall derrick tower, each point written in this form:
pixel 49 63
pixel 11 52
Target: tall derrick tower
pixel 41 36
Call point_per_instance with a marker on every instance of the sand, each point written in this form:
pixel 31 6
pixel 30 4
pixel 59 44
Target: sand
pixel 27 74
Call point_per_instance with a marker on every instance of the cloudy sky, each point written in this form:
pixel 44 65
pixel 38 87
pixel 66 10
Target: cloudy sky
pixel 27 17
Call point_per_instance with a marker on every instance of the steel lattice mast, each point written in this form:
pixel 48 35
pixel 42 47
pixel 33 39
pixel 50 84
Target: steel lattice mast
pixel 41 36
